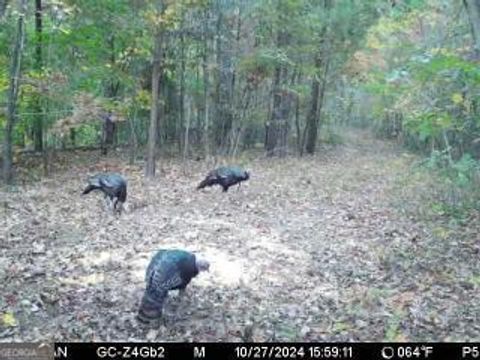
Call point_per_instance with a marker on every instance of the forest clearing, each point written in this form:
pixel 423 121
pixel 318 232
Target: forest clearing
pixel 240 170
pixel 309 250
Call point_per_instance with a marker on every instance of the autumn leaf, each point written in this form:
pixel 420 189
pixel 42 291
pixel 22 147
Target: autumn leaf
pixel 401 338
pixel 9 320
pixel 457 98
pixel 341 326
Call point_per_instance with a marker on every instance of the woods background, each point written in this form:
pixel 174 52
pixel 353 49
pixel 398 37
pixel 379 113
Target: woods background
pixel 215 77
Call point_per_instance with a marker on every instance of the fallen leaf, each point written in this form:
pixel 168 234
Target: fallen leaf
pixel 152 334
pixel 9 320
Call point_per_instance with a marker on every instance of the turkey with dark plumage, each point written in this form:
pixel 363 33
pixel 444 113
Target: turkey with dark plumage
pixel 225 176
pixel 113 186
pixel 168 270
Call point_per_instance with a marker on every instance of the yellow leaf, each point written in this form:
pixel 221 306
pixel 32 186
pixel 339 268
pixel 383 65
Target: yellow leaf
pixel 457 98
pixel 401 338
pixel 9 320
pixel 441 232
pixel 340 326
pixel 65 31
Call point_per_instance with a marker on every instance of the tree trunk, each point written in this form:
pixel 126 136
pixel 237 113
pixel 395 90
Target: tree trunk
pixel 182 86
pixel 73 137
pixel 3 8
pixel 238 114
pixel 277 127
pixel 133 136
pixel 318 88
pixel 15 73
pixel 206 137
pixel 111 90
pixel 297 124
pixel 224 78
pixel 473 10
pixel 239 120
pixel 113 85
pixel 162 89
pixel 186 138
pixel 38 119
pixel 272 126
pixel 108 133
pixel 318 92
pixel 152 132
pixel 311 124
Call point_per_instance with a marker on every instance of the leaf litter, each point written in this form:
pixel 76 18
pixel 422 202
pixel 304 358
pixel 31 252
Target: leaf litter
pixel 309 249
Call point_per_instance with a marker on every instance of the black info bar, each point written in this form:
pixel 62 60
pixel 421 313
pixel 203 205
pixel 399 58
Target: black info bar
pixel 231 351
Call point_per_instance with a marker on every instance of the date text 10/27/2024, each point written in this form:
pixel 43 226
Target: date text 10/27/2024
pixel 292 352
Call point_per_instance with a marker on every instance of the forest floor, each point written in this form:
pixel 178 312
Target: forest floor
pixel 321 248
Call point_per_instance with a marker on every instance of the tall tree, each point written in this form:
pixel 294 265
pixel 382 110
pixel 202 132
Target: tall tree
pixel 154 112
pixel 275 122
pixel 278 116
pixel 181 100
pixel 473 10
pixel 15 74
pixel 3 7
pixel 38 117
pixel 206 81
pixel 224 73
pixel 322 61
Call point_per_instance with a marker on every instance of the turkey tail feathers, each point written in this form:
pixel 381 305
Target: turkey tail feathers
pixel 122 196
pixel 209 181
pixel 202 185
pixel 88 189
pixel 93 184
pixel 150 308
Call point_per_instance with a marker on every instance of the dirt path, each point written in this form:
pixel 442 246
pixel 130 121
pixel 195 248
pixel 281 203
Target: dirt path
pixel 308 249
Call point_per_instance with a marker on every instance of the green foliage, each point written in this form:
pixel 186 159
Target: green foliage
pixel 429 124
pixel 461 173
pixel 406 7
pixel 434 88
pixel 330 135
pixel 393 330
pixel 423 88
pixel 264 61
pixel 448 67
pixel 87 134
pixel 457 185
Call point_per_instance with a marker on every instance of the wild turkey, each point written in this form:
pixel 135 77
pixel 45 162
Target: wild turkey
pixel 225 176
pixel 168 270
pixel 113 186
